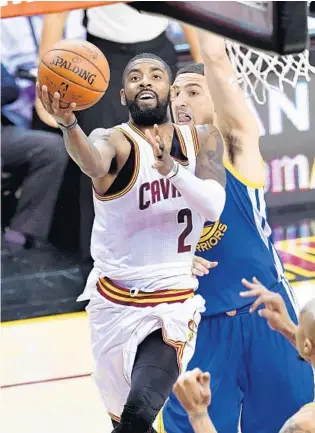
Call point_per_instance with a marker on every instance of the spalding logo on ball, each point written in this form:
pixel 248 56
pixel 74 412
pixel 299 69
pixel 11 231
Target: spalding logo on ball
pixel 76 69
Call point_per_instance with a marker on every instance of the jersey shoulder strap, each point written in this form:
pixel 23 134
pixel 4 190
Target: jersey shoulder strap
pixel 190 140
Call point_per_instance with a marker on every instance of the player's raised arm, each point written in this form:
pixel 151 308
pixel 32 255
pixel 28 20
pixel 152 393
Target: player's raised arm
pixel 234 116
pixel 93 154
pixel 205 191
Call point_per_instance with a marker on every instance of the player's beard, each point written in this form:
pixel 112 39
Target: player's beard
pixel 149 116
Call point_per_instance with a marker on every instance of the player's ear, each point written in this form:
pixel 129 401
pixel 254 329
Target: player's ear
pixel 308 347
pixel 123 97
pixel 173 93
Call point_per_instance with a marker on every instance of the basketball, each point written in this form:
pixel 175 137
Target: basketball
pixel 76 69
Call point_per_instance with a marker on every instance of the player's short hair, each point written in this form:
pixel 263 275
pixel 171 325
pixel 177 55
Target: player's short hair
pixel 147 56
pixel 193 68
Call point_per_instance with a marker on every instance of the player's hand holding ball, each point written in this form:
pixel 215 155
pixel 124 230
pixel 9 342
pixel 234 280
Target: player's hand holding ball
pixel 164 163
pixel 73 75
pixel 63 116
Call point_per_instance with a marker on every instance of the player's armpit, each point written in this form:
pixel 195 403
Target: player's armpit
pixel 105 142
pixel 209 164
pixel 93 156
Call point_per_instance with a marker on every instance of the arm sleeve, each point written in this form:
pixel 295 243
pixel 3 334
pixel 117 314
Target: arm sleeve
pixel 207 197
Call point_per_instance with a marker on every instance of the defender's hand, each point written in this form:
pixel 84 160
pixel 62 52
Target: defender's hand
pixel 201 266
pixel 64 116
pixel 275 311
pixel 192 389
pixel 163 160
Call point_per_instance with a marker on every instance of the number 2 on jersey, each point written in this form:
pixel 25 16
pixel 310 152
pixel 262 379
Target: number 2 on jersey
pixel 184 216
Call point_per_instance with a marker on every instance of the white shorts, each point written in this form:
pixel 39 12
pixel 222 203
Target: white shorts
pixel 120 322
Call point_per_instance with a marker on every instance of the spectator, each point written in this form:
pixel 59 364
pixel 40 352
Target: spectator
pixel 45 157
pixel 20 38
pixel 121 32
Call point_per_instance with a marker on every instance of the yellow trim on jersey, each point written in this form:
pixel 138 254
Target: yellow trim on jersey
pixel 114 417
pixel 134 300
pixel 179 347
pixel 194 135
pixel 160 423
pixel 137 130
pixel 179 136
pixel 181 140
pixel 241 178
pixel 308 405
pixel 182 144
pixel 133 177
pixel 114 293
pixel 106 282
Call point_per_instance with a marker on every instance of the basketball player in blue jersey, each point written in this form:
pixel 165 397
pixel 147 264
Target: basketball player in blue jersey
pixel 256 376
pixel 193 387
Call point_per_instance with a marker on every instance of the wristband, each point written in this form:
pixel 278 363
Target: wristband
pixel 68 127
pixel 174 171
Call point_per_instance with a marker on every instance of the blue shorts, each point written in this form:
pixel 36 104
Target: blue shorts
pixel 254 371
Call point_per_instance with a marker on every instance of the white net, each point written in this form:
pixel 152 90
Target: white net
pixel 254 68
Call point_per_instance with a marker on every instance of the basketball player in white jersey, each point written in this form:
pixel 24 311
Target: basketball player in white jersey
pixel 152 196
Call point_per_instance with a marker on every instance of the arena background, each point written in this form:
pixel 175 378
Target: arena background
pixel 47 362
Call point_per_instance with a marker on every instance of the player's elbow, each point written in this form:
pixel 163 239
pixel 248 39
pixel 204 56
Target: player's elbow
pixel 94 172
pixel 94 169
pixel 216 201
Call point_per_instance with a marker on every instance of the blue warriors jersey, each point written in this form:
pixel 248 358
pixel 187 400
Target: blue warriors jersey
pixel 241 242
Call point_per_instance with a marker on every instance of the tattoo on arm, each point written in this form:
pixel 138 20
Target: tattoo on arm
pixel 292 426
pixel 209 164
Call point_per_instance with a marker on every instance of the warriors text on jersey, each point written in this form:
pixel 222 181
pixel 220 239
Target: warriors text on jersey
pixel 241 242
pixel 144 237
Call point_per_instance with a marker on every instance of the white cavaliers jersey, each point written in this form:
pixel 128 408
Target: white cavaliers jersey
pixel 145 236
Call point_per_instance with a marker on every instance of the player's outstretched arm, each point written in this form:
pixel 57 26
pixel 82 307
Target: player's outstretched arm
pixel 235 119
pixel 93 155
pixel 205 191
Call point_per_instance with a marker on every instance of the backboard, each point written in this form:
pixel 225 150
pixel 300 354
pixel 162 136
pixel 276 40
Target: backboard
pixel 280 27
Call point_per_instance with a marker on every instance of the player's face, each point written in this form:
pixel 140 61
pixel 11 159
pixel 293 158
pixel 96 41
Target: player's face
pixel 191 100
pixel 147 92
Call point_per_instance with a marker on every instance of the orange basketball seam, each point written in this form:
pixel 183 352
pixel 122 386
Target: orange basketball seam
pixel 77 54
pixel 77 105
pixel 66 78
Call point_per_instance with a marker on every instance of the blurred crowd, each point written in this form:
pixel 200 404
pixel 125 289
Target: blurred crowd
pixel 43 192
